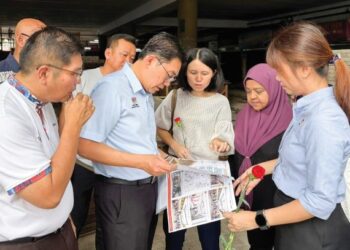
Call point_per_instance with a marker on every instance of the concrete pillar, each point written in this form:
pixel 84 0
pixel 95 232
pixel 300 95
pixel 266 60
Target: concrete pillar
pixel 187 18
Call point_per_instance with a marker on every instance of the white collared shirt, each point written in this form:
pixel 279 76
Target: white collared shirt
pixel 25 151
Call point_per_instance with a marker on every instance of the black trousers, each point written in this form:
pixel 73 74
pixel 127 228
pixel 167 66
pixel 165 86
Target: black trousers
pixel 83 181
pixel 64 239
pixel 313 234
pixel 262 199
pixel 125 213
pixel 209 235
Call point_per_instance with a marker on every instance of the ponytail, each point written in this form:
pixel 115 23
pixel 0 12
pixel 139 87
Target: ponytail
pixel 342 86
pixel 304 44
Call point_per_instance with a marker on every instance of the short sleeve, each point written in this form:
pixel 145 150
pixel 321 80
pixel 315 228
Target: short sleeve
pixel 224 127
pixel 163 112
pixel 22 157
pixel 107 112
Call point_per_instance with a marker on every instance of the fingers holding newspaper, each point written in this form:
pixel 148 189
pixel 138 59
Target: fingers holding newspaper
pixel 155 165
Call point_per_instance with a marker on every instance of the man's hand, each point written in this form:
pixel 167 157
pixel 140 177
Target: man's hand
pixel 78 110
pixel 155 165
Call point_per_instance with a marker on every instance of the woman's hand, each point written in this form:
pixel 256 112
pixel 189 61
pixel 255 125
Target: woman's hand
pixel 181 151
pixel 219 146
pixel 242 181
pixel 240 221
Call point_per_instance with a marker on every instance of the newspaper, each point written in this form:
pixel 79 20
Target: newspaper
pixel 197 193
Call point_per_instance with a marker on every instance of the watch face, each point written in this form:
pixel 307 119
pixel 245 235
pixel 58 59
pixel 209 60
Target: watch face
pixel 260 219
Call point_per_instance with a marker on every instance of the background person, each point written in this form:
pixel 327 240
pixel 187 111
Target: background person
pixel 207 127
pixel 120 139
pixel 24 29
pixel 259 129
pixel 314 149
pixel 36 196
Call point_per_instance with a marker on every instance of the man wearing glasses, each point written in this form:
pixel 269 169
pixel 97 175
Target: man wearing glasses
pixel 24 29
pixel 121 49
pixel 36 196
pixel 120 139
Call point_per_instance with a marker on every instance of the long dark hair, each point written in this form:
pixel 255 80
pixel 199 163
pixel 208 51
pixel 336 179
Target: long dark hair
pixel 207 57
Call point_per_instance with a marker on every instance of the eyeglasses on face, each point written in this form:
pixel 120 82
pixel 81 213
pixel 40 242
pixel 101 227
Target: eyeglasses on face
pixel 77 74
pixel 171 79
pixel 24 34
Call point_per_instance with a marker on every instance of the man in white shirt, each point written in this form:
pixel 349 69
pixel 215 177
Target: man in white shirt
pixel 36 196
pixel 121 49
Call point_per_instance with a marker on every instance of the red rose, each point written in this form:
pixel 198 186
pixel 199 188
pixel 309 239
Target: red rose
pixel 258 172
pixel 177 119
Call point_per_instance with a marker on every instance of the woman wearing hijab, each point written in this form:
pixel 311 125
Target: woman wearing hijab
pixel 258 132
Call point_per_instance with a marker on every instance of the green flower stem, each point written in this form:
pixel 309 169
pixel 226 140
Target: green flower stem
pixel 242 197
pixel 231 238
pixel 230 241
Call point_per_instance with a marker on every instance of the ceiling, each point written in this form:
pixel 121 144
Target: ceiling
pixel 144 17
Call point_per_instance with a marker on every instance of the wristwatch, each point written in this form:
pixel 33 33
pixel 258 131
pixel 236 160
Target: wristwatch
pixel 260 219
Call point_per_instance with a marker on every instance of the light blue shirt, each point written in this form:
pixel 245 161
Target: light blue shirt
pixel 123 119
pixel 313 154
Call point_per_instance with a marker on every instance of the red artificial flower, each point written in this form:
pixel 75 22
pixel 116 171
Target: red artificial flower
pixel 258 172
pixel 178 122
pixel 177 119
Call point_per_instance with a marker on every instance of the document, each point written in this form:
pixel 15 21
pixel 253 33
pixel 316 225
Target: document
pixel 197 193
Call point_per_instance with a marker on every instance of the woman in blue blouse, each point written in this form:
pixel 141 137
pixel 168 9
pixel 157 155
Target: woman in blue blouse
pixel 314 149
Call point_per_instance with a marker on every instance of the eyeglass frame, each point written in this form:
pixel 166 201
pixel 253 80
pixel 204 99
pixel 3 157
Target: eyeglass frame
pixel 77 74
pixel 26 35
pixel 171 79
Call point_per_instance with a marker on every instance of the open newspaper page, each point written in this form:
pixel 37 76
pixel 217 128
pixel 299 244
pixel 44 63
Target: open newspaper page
pixel 197 193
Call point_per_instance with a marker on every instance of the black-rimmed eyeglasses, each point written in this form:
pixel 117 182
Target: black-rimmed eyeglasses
pixel 171 79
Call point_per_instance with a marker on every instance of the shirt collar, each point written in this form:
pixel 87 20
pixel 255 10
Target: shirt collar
pixel 313 98
pixel 133 80
pixel 24 91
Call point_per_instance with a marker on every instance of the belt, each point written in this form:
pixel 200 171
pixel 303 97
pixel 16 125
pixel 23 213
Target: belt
pixel 33 239
pixel 149 180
